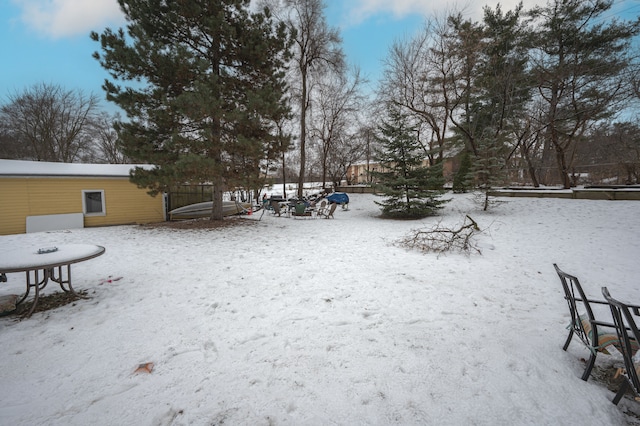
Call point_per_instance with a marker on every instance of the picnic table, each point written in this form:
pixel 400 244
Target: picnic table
pixel 45 264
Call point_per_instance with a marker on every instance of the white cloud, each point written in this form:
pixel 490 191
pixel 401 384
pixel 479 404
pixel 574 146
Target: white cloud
pixel 66 18
pixel 364 9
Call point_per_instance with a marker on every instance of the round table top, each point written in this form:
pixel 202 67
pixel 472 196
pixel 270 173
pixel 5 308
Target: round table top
pixel 28 259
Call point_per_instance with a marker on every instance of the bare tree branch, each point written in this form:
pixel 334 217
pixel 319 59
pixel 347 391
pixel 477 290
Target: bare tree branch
pixel 440 239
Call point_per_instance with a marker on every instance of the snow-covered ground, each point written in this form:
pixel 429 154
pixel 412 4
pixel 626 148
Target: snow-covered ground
pixel 317 322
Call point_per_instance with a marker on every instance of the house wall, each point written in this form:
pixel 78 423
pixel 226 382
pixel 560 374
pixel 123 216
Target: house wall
pixel 358 174
pixel 30 196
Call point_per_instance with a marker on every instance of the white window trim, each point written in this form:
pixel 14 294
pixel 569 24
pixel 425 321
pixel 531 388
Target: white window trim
pixel 84 202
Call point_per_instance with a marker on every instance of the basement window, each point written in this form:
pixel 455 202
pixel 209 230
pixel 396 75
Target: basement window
pixel 93 203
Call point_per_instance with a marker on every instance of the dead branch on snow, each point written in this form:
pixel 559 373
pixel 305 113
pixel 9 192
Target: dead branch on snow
pixel 441 239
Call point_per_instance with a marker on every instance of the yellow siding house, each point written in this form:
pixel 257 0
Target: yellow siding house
pixel 48 195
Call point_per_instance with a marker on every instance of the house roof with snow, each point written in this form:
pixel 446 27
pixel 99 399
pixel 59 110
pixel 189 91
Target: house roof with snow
pixel 43 168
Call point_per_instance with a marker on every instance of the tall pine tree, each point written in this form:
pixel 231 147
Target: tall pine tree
pixel 205 85
pixel 412 190
pixel 502 82
pixel 580 59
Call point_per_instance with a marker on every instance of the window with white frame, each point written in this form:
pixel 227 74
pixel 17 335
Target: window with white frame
pixel 93 202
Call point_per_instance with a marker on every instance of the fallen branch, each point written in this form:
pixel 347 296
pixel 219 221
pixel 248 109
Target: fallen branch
pixel 441 239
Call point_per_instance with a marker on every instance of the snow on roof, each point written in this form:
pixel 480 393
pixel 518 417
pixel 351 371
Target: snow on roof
pixel 43 168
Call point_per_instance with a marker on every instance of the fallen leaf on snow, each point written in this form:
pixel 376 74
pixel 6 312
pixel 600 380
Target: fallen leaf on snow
pixel 147 367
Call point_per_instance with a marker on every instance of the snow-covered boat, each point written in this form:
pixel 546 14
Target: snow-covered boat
pixel 194 211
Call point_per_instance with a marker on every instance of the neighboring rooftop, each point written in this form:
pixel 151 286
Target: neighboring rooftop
pixel 43 168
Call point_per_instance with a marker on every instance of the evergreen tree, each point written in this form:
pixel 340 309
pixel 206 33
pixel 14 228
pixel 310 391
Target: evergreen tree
pixel 580 60
pixel 497 97
pixel 206 85
pixel 503 82
pixel 489 168
pixel 412 190
pixel 462 179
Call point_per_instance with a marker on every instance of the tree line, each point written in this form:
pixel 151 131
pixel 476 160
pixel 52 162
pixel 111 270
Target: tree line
pixel 47 122
pixel 520 90
pixel 236 96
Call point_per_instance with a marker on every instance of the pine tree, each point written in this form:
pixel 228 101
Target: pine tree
pixel 502 80
pixel 579 62
pixel 462 179
pixel 496 98
pixel 205 87
pixel 489 168
pixel 412 190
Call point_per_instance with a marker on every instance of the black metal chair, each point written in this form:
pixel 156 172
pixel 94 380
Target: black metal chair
pixel 629 337
pixel 595 334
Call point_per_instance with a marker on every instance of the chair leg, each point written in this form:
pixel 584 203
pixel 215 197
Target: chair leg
pixel 566 344
pixel 621 392
pixel 590 364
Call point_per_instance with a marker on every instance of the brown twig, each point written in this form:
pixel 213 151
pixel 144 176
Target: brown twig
pixel 441 239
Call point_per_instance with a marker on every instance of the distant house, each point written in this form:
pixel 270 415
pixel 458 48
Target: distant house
pixel 362 173
pixel 40 196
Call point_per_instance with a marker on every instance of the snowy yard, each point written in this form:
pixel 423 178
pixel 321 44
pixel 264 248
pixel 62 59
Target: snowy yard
pixel 317 322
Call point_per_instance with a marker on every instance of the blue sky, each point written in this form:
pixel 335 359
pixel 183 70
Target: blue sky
pixel 47 41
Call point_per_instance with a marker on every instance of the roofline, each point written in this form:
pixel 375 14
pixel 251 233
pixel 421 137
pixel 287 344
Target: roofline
pixel 21 168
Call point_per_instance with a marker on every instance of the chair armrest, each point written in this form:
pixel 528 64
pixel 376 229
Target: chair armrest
pixel 603 323
pixel 635 308
pixel 608 325
pixel 599 302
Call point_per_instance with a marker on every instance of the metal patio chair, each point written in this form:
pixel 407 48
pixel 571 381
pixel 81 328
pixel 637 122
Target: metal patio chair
pixel 629 336
pixel 595 334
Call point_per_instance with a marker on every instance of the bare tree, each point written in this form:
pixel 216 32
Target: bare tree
pixel 50 123
pixel 418 75
pixel 316 49
pixel 351 148
pixel 335 118
pixel 106 138
pixel 10 147
pixel 366 135
pixel 611 153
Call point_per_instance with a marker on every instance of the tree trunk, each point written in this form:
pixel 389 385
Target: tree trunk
pixel 324 169
pixel 303 131
pixel 218 190
pixel 562 168
pixel 284 176
pixel 530 168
